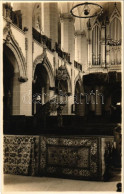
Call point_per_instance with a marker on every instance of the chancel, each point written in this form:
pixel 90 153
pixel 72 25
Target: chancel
pixel 62 92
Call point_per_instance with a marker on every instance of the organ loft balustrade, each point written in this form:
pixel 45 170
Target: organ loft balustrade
pixel 14 16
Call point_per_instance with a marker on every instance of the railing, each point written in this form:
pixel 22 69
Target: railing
pixel 42 38
pixel 15 16
pixel 77 65
pixel 62 54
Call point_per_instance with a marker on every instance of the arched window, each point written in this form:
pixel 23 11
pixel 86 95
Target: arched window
pixel 37 23
pixel 96 50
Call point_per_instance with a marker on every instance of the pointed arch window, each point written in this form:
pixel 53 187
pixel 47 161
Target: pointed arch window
pixel 96 50
pixel 37 23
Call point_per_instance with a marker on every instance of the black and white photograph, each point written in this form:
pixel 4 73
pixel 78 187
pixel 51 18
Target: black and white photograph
pixel 62 96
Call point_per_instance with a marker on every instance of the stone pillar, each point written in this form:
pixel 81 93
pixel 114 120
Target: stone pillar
pixel 54 22
pixel 98 102
pixel 50 22
pixel 67 34
pixel 81 48
pixel 16 95
pixel 103 46
pixel 42 17
pixel 46 22
pixel 78 46
pixel 67 45
pixel 26 88
pixel 84 52
pixel 71 44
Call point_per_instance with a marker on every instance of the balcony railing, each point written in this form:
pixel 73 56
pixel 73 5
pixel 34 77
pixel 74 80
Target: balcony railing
pixel 62 54
pixel 42 38
pixel 15 16
pixel 77 65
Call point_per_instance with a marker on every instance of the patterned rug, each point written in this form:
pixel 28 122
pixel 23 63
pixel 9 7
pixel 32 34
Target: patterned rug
pixel 71 157
pixel 19 155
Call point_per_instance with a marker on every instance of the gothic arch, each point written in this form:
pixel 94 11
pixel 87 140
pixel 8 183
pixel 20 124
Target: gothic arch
pixel 115 13
pixel 96 22
pixel 13 45
pixel 36 17
pixel 47 65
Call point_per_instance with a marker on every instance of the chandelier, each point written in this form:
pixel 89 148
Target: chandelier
pixel 86 10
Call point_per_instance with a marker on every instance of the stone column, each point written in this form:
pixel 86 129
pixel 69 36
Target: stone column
pixel 67 34
pixel 50 22
pixel 16 95
pixel 67 45
pixel 26 88
pixel 103 46
pixel 46 21
pixel 84 52
pixel 54 22
pixel 42 17
pixel 78 46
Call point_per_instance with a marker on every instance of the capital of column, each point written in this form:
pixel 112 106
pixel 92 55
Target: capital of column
pixel 80 33
pixel 66 17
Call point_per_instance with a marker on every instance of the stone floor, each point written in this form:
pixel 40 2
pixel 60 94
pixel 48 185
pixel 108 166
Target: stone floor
pixel 27 183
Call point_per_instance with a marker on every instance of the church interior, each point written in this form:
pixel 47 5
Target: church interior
pixel 62 93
